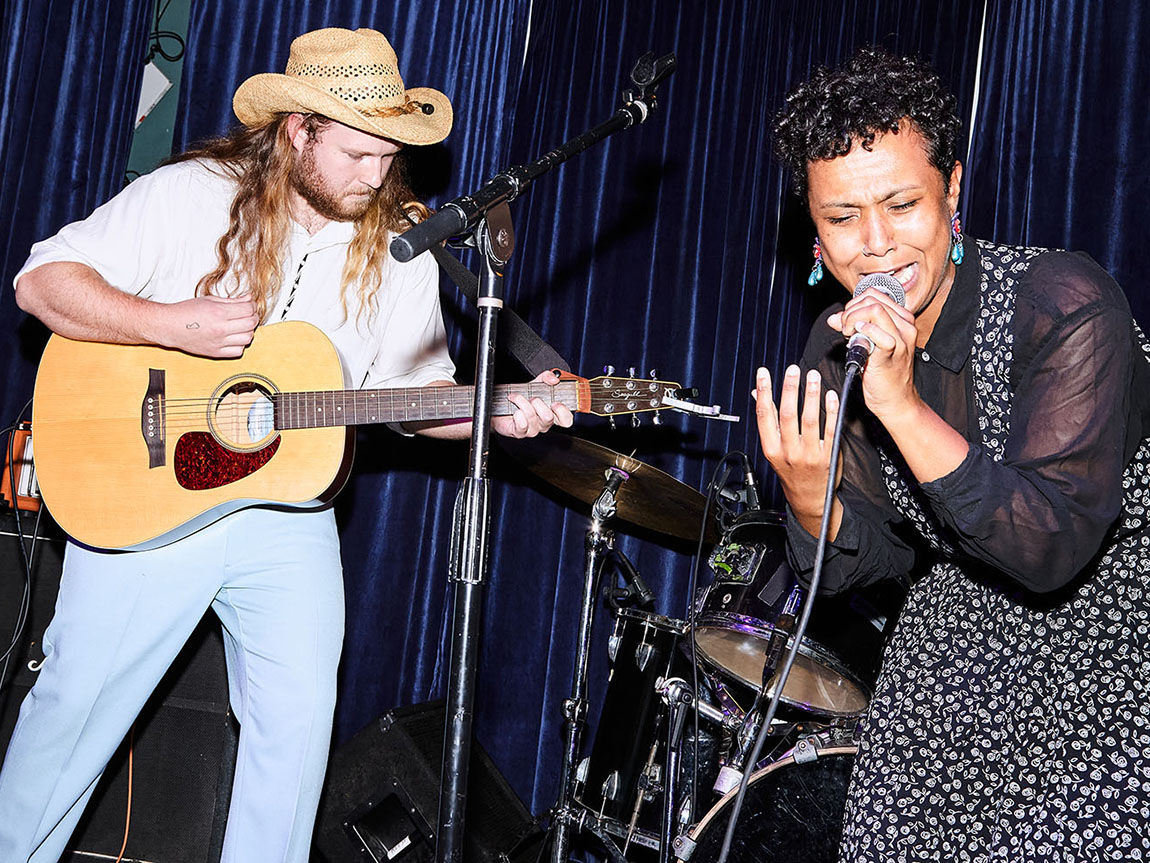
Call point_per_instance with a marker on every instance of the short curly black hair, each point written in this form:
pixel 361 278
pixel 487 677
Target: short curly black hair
pixel 872 93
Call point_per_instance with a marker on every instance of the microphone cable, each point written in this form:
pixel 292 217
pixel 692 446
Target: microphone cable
pixel 801 627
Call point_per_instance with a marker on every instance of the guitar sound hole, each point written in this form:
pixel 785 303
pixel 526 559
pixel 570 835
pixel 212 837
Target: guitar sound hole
pixel 244 416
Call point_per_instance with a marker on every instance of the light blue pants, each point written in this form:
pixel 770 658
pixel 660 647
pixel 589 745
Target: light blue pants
pixel 274 580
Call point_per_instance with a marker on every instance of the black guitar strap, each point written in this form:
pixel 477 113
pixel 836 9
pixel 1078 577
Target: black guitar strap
pixel 516 337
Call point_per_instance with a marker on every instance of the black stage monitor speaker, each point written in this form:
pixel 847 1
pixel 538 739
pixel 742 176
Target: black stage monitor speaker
pixel 381 801
pixel 184 742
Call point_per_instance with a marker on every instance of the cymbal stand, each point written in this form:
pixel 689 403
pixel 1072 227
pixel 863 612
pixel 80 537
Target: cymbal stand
pixel 678 700
pixel 599 541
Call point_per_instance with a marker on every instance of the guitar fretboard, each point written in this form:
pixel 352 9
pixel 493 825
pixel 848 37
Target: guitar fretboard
pixel 324 408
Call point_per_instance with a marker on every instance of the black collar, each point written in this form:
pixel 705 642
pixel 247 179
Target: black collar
pixel 950 343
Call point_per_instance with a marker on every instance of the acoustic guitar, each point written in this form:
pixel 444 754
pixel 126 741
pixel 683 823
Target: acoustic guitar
pixel 137 446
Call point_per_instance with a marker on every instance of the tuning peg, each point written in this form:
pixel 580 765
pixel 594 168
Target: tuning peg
pixel 654 374
pixel 630 371
pixel 657 418
pixel 611 422
pixel 635 421
pixel 608 370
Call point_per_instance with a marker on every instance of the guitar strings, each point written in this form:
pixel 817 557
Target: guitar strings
pixel 197 413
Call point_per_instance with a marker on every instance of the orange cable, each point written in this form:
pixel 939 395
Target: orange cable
pixel 128 815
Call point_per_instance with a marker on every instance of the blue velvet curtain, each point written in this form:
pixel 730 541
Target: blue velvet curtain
pixel 675 244
pixel 1061 146
pixel 70 79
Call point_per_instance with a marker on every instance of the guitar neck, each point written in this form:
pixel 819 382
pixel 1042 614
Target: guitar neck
pixel 325 408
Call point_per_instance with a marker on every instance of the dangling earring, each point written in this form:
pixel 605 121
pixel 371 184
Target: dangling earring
pixel 956 251
pixel 816 275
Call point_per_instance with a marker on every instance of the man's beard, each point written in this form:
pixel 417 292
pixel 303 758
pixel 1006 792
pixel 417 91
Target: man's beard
pixel 310 185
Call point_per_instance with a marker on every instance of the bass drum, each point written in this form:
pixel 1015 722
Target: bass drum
pixel 792 811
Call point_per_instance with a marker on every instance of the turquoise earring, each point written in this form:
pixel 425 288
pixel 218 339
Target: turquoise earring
pixel 957 253
pixel 816 275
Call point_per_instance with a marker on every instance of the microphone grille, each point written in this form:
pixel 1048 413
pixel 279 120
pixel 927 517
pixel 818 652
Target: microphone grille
pixel 883 282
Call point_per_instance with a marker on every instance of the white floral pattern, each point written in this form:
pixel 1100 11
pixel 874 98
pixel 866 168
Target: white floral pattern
pixel 1003 729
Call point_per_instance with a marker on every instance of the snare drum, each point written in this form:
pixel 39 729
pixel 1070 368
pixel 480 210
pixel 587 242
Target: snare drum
pixel 839 655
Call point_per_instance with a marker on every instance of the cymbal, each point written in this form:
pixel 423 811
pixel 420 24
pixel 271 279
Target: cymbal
pixel 648 497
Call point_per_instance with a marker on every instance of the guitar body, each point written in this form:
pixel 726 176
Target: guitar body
pixel 138 446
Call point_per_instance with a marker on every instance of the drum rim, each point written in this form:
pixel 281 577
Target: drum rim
pixel 662 622
pixel 808 647
pixel 787 760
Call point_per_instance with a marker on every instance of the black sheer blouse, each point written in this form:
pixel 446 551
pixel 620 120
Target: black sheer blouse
pixel 1080 406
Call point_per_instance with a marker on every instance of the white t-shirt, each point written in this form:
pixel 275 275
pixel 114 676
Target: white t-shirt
pixel 157 238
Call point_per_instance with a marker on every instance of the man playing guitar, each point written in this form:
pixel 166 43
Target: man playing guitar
pixel 287 218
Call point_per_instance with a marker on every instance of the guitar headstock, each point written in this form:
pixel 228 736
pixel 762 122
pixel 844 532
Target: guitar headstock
pixel 611 395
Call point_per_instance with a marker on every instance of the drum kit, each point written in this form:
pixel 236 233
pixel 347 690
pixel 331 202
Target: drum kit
pixel 685 698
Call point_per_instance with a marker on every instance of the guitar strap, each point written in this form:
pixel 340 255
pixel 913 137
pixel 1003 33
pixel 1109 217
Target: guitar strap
pixel 522 342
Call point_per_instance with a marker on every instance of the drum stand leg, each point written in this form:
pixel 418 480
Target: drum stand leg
pixel 598 542
pixel 679 699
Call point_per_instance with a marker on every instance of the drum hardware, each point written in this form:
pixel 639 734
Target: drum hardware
pixel 731 772
pixel 598 541
pixel 673 688
pixel 744 626
pixel 679 700
pixel 650 786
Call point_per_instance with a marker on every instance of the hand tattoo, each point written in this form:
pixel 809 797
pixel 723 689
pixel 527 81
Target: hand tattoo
pixel 194 325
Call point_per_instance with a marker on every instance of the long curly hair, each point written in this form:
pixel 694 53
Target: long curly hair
pixel 250 253
pixel 870 94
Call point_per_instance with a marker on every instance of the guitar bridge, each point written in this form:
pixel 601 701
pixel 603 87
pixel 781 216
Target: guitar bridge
pixel 152 418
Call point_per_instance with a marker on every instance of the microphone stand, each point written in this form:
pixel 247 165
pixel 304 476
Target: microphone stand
pixel 468 563
pixel 485 215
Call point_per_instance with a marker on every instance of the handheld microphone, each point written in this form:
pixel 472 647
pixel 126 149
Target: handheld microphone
pixel 860 346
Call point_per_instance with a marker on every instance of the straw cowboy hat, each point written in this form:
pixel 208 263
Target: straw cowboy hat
pixel 353 78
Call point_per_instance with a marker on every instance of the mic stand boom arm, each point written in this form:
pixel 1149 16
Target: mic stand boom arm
pixel 462 214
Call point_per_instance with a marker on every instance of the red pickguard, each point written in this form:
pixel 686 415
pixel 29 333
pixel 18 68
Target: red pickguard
pixel 201 463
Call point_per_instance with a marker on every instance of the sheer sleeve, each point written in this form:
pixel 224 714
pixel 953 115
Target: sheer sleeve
pixel 1040 515
pixel 874 542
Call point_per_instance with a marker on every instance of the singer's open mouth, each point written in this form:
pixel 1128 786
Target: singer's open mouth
pixel 905 274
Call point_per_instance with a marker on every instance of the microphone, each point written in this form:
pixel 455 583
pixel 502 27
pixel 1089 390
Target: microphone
pixel 749 487
pixel 860 346
pixel 634 580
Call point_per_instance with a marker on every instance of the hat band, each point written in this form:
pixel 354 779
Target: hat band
pixel 410 106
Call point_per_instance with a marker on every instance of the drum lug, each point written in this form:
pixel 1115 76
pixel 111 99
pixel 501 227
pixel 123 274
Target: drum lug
pixel 611 785
pixel 805 751
pixel 581 771
pixel 686 812
pixel 643 654
pixel 613 643
pixel 683 846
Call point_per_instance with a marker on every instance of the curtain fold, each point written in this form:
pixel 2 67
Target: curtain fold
pixel 71 82
pixel 1060 153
